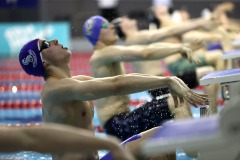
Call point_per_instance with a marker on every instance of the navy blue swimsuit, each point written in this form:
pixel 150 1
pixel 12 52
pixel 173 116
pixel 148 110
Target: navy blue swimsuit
pixel 147 116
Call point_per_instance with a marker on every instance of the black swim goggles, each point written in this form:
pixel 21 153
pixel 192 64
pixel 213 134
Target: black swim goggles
pixel 45 45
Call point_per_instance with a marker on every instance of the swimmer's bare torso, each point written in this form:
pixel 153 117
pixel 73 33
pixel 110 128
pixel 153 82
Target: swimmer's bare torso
pixel 113 105
pixel 75 113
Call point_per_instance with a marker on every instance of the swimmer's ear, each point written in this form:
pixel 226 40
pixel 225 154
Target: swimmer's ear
pixel 45 63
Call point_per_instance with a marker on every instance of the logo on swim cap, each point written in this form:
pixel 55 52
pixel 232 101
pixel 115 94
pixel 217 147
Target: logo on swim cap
pixel 30 58
pixel 89 26
pixel 92 28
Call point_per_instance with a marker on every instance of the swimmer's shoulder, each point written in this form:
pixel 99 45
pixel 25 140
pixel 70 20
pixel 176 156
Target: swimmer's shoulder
pixel 142 37
pixel 106 50
pixel 53 87
pixel 103 56
pixel 82 78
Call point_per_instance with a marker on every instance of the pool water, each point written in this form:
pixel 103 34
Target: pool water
pixel 37 156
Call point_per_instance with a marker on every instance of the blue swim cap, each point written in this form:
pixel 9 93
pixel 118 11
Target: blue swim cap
pixel 30 58
pixel 92 28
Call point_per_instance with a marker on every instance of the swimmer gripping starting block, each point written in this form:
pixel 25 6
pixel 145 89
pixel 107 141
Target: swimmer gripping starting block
pixel 213 138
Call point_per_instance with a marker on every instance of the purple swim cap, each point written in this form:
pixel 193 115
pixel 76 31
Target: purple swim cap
pixel 30 58
pixel 92 27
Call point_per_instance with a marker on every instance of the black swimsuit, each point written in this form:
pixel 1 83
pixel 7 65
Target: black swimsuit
pixel 147 116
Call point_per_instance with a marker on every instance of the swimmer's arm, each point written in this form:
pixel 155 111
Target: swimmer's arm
pixel 157 35
pixel 53 138
pixel 132 53
pixel 201 36
pixel 69 90
pixel 82 77
pixel 104 87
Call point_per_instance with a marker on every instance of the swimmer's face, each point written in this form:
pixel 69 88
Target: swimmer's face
pixel 128 24
pixel 53 52
pixel 108 34
pixel 184 15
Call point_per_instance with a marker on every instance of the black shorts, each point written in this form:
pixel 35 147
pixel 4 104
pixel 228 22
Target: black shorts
pixel 147 116
pixel 159 92
pixel 189 78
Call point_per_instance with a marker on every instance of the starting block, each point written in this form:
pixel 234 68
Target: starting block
pixel 236 43
pixel 229 80
pixel 213 138
pixel 234 56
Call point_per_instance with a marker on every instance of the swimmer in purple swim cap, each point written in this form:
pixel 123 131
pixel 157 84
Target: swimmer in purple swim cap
pixel 30 58
pixel 31 55
pixel 67 99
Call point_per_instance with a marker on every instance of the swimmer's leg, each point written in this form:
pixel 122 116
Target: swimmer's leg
pixel 210 90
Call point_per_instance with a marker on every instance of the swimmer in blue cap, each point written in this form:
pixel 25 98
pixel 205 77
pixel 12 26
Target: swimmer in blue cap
pixel 92 28
pixel 113 111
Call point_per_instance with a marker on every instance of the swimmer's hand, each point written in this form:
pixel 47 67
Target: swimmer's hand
pixel 181 91
pixel 186 52
pixel 118 152
pixel 224 7
pixel 196 44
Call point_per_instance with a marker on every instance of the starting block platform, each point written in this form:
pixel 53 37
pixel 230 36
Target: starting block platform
pixel 236 42
pixel 201 135
pixel 231 54
pixel 220 77
pixel 183 134
pixel 234 56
